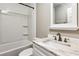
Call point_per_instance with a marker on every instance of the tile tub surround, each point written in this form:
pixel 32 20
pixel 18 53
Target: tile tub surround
pixel 69 52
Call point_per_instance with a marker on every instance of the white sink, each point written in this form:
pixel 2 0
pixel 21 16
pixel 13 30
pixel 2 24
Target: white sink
pixel 50 42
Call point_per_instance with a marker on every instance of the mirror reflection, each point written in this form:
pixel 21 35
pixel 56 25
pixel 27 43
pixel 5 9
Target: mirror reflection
pixel 62 13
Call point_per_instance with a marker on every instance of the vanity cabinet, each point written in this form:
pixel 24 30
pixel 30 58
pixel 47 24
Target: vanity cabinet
pixel 41 51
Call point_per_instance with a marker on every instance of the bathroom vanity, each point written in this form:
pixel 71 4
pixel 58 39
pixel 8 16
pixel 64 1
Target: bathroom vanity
pixel 48 47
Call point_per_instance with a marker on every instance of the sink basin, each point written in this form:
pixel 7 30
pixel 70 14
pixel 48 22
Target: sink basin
pixel 56 42
pixel 66 44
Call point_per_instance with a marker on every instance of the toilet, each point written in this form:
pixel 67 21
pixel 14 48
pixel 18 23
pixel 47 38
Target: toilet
pixel 26 52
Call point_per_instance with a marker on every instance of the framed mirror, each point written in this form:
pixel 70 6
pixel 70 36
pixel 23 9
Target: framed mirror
pixel 64 16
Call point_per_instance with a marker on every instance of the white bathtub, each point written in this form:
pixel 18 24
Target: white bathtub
pixel 13 49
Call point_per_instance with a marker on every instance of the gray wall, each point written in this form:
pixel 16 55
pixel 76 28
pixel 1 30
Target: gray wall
pixel 42 22
pixel 43 18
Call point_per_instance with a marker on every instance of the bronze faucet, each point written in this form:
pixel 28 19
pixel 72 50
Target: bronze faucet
pixel 59 35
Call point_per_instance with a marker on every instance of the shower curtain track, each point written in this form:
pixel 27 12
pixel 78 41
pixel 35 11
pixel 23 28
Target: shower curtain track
pixel 26 5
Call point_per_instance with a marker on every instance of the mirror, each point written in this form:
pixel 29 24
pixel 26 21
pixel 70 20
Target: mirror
pixel 62 12
pixel 63 15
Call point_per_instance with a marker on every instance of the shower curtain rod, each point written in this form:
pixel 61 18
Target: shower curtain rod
pixel 26 5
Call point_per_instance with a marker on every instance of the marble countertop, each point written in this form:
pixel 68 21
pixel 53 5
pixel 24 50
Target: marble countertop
pixel 58 49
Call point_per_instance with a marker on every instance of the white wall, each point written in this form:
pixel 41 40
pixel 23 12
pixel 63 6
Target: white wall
pixel 32 23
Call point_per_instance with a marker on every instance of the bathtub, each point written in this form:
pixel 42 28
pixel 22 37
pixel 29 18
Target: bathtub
pixel 14 48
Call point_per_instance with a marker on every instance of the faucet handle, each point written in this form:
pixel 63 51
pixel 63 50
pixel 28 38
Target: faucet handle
pixel 66 40
pixel 55 38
